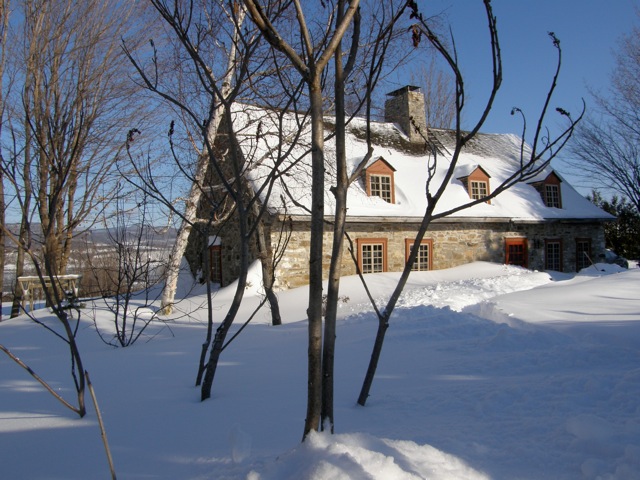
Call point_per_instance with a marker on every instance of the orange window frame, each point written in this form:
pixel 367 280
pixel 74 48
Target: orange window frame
pixel 362 242
pixel 409 242
pixel 516 248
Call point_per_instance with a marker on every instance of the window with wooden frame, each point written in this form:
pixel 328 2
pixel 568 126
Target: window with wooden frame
pixel 477 183
pixel 552 196
pixel 425 251
pixel 516 252
pixel 583 253
pixel 215 264
pixel 380 186
pixel 379 180
pixel 479 190
pixel 553 254
pixel 550 191
pixel 372 255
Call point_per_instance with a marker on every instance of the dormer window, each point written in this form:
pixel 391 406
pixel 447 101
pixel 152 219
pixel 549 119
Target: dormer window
pixel 552 196
pixel 476 182
pixel 479 189
pixel 549 190
pixel 381 186
pixel 379 180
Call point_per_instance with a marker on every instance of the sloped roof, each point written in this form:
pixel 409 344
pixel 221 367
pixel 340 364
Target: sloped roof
pixel 466 170
pixel 262 135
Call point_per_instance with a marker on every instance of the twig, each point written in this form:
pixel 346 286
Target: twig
pixel 42 382
pixel 103 432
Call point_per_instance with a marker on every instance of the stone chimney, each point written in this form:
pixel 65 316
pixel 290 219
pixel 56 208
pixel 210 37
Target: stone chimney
pixel 405 107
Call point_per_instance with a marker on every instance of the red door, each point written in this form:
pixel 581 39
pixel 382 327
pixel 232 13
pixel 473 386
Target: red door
pixel 516 252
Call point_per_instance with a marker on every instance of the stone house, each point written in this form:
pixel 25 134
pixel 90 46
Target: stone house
pixel 542 224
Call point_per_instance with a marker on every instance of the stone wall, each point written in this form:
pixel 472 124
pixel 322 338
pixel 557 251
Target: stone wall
pixel 453 244
pixel 229 241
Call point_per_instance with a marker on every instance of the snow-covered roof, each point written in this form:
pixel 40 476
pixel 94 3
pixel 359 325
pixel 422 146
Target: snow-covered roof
pixel 264 134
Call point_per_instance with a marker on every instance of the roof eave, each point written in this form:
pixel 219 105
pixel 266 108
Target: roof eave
pixel 445 220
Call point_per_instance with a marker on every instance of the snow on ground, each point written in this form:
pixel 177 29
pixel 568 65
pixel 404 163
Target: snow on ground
pixel 488 372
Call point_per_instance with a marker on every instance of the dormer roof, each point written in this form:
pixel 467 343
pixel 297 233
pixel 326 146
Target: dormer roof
pixel 467 170
pixel 374 160
pixel 546 177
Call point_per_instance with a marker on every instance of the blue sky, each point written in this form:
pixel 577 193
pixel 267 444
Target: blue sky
pixel 589 31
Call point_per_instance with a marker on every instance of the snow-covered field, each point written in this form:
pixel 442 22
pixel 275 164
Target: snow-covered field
pixel 488 371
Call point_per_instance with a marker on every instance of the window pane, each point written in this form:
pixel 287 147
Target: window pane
pixel 552 198
pixel 553 256
pixel 422 260
pixel 517 254
pixel 372 258
pixel 381 187
pixel 583 254
pixel 215 264
pixel 478 190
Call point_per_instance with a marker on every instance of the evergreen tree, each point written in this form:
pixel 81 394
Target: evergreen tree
pixel 623 235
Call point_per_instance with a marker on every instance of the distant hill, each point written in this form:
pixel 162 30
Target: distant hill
pixel 93 242
pixel 157 236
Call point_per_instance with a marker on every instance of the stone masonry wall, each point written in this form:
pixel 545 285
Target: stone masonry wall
pixel 229 236
pixel 453 244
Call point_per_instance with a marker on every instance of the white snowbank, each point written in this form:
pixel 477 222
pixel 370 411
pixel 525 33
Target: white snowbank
pixel 487 372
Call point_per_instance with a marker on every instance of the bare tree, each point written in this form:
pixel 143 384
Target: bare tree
pixel 179 19
pixel 439 94
pixel 67 313
pixel 71 96
pixel 4 23
pixel 543 150
pixel 201 33
pixel 68 99
pixel 310 58
pixel 383 22
pixel 606 148
pixel 356 71
pixel 125 270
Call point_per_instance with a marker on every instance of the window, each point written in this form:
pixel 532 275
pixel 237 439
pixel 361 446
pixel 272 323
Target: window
pixel 215 264
pixel 477 183
pixel 479 190
pixel 553 255
pixel 379 180
pixel 549 190
pixel 583 253
pixel 381 187
pixel 552 196
pixel 516 252
pixel 372 255
pixel 423 260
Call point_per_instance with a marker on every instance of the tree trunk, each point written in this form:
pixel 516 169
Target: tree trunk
pixel 265 253
pixel 223 329
pixel 195 194
pixel 207 341
pixel 243 224
pixel 23 234
pixel 4 23
pixel 177 252
pixel 335 267
pixel 385 314
pixel 314 311
pixel 2 239
pixel 18 294
pixel 383 325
